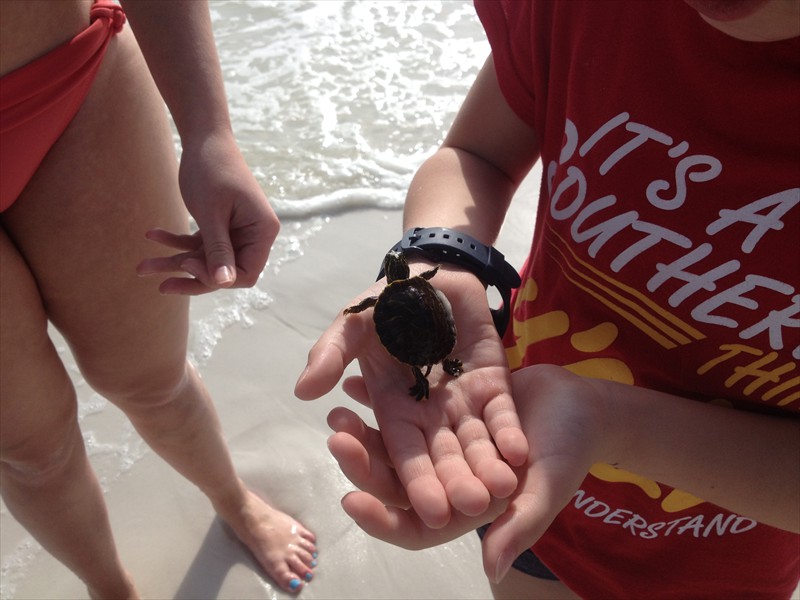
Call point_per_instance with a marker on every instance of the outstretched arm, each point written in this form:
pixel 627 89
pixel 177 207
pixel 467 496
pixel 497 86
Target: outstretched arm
pixel 455 448
pixel 236 224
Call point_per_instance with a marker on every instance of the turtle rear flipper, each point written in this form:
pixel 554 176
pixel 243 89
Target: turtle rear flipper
pixel 453 366
pixel 421 388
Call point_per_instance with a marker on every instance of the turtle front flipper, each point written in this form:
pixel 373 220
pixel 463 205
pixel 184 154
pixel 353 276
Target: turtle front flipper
pixel 363 305
pixel 421 388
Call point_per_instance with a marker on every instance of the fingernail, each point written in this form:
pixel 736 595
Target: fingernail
pixel 294 584
pixel 503 565
pixel 309 576
pixel 223 275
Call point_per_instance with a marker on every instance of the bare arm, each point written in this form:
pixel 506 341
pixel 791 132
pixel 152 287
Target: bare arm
pixel 177 41
pixel 455 448
pixel 746 462
pixel 237 224
pixel 468 184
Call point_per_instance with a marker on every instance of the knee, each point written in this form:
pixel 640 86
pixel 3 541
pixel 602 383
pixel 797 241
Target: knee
pixel 145 389
pixel 36 458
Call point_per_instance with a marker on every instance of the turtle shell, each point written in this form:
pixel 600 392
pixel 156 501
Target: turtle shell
pixel 414 322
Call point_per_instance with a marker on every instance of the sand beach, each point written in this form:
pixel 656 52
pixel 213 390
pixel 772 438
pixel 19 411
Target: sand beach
pixel 166 530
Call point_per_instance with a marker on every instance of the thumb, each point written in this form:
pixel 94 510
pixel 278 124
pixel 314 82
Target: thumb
pixel 337 347
pixel 522 524
pixel 220 257
pixel 327 360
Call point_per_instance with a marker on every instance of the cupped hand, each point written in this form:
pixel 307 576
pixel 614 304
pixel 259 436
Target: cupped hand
pixel 381 506
pixel 454 448
pixel 563 416
pixel 236 224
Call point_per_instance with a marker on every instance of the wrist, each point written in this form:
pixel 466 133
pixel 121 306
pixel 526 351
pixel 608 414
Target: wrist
pixel 460 252
pixel 419 264
pixel 618 408
pixel 209 134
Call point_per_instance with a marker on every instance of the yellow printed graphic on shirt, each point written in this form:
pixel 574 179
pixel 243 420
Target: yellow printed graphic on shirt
pixel 591 342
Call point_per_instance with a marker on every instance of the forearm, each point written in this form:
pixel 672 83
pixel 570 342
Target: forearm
pixel 468 184
pixel 745 462
pixel 458 190
pixel 177 42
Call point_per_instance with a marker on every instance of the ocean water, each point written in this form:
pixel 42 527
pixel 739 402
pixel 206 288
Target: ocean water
pixel 335 104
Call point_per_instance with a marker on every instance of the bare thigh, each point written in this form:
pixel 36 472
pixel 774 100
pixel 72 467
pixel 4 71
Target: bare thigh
pixel 79 226
pixel 37 400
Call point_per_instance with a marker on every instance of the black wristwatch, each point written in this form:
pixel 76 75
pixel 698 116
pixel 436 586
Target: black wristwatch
pixel 442 245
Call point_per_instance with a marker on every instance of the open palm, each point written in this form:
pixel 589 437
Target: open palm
pixel 451 449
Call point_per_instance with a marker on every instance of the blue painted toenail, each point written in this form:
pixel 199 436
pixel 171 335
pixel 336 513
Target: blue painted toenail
pixel 314 554
pixel 309 576
pixel 294 584
pixel 313 564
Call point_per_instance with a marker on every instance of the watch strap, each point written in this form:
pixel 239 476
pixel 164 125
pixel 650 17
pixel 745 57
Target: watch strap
pixel 443 245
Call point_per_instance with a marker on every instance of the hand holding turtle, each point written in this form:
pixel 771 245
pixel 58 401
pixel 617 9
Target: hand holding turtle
pixel 237 225
pixel 447 449
pixel 562 416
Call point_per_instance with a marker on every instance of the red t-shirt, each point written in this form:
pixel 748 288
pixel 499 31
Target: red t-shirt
pixel 666 256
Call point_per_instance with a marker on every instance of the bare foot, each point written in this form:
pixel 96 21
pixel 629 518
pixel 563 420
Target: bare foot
pixel 283 547
pixel 125 591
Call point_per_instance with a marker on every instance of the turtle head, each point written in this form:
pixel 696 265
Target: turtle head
pixel 395 266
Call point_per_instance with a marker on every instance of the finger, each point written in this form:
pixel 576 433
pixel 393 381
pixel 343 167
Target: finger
pixel 502 421
pixel 344 420
pixel 160 265
pixel 545 488
pixel 407 447
pixel 366 472
pixel 252 246
pixel 184 286
pixel 356 388
pixel 404 528
pixel 483 458
pixel 517 529
pixel 465 492
pixel 386 523
pixel 196 267
pixel 195 285
pixel 219 254
pixel 173 240
pixel 336 348
pixel 165 264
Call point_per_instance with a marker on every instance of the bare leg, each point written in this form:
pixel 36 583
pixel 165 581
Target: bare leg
pixel 79 228
pixel 42 456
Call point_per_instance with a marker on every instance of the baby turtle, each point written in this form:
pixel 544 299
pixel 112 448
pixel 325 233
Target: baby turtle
pixel 414 322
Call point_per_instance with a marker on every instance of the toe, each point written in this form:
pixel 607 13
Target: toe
pixel 294 585
pixel 298 566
